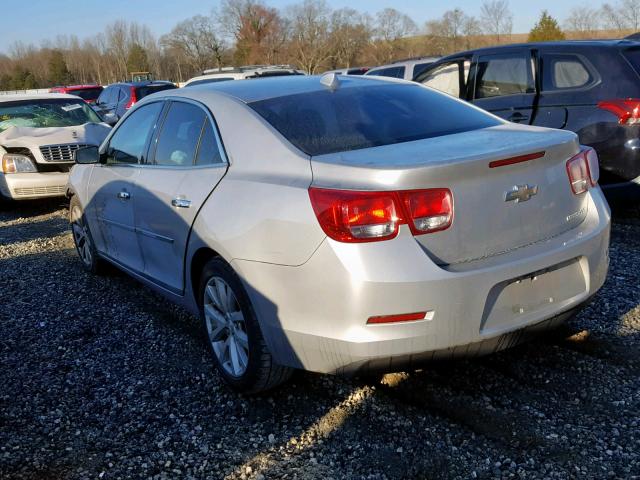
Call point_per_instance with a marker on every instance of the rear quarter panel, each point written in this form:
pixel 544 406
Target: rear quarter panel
pixel 260 211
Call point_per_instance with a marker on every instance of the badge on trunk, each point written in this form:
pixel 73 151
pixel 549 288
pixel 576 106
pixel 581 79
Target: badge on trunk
pixel 520 193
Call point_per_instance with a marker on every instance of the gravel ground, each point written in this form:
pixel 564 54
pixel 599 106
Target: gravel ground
pixel 100 378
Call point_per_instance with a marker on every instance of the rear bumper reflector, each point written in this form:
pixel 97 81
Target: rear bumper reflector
pixel 518 159
pixel 404 317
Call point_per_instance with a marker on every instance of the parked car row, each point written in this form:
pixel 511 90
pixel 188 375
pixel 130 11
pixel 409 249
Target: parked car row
pixel 342 223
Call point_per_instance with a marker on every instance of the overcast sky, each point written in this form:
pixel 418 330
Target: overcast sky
pixel 34 21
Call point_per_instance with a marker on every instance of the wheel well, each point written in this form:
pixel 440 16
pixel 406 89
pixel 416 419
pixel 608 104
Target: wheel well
pixel 198 261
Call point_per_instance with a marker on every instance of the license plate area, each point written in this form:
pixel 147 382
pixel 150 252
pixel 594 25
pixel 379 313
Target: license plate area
pixel 516 302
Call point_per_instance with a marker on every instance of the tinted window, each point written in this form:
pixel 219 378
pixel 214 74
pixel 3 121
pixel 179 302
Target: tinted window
pixel 633 56
pixel 418 68
pixel 87 93
pixel 499 75
pixel 208 151
pixel 361 117
pixel 142 92
pixel 394 72
pixel 128 142
pixel 561 71
pixel 179 136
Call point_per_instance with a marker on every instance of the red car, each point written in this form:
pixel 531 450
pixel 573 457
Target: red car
pixel 87 92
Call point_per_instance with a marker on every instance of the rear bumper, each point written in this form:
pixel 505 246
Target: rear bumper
pixel 25 186
pixel 314 316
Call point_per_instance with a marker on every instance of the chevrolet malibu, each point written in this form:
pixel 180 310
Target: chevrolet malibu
pixel 342 224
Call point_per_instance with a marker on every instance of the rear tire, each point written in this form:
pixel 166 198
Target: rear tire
pixel 82 239
pixel 233 332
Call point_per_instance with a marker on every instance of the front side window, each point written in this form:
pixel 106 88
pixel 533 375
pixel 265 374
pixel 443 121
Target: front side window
pixel 43 113
pixel 500 75
pixel 178 139
pixel 128 143
pixel 561 71
pixel 325 121
pixel 393 72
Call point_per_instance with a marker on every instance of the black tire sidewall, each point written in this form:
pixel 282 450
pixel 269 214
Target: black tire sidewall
pixel 95 261
pixel 252 376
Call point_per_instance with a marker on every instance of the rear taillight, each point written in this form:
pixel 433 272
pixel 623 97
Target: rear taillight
pixel 360 216
pixel 132 99
pixel 428 210
pixel 626 109
pixel 583 170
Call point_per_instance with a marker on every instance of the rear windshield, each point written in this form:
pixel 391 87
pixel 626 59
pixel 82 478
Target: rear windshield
pixel 142 92
pixel 633 56
pixel 86 93
pixel 324 122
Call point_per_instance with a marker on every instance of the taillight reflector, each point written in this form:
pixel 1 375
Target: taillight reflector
pixel 513 160
pixel 626 109
pixel 132 99
pixel 405 317
pixel 361 216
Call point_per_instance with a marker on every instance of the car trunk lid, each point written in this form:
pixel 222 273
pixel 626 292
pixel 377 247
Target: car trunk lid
pixel 497 208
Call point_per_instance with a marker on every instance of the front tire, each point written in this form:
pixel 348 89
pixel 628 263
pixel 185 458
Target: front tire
pixel 82 239
pixel 234 336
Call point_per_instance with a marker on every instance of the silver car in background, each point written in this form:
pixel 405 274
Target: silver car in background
pixel 342 223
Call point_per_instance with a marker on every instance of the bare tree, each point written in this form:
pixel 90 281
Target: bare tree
pixel 391 29
pixel 496 18
pixel 351 32
pixel 583 20
pixel 197 41
pixel 452 32
pixel 310 34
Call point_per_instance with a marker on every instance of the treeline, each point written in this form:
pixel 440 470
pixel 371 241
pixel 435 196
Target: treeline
pixel 308 34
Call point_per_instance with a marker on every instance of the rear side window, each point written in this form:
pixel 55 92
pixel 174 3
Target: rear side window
pixel 352 118
pixel 562 71
pixel 179 136
pixel 501 75
pixel 128 143
pixel 633 56
pixel 418 68
pixel 142 92
pixel 208 151
pixel 394 72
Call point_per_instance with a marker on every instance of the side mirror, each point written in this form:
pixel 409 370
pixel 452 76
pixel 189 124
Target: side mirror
pixel 110 118
pixel 87 155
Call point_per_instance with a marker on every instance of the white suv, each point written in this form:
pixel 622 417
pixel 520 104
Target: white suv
pixel 242 73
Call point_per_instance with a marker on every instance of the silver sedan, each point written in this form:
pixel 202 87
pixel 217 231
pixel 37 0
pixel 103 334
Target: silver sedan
pixel 340 223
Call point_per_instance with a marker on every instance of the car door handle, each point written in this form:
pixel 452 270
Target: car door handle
pixel 518 117
pixel 124 195
pixel 181 203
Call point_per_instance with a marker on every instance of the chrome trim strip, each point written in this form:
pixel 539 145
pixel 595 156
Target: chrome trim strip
pixel 141 231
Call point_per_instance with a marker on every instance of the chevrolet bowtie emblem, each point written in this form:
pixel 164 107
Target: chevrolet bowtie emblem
pixel 520 193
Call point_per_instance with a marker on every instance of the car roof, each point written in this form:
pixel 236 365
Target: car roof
pixel 35 96
pixel 144 83
pixel 558 43
pixel 406 61
pixel 79 87
pixel 272 87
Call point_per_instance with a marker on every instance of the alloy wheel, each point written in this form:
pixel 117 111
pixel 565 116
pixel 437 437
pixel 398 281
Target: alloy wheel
pixel 226 326
pixel 81 236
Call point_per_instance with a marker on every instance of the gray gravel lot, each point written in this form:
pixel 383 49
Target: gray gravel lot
pixel 100 378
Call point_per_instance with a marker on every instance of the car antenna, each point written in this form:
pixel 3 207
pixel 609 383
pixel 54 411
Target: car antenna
pixel 330 80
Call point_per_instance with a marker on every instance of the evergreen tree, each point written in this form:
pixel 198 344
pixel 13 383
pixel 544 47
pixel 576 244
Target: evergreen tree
pixel 546 30
pixel 58 72
pixel 137 59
